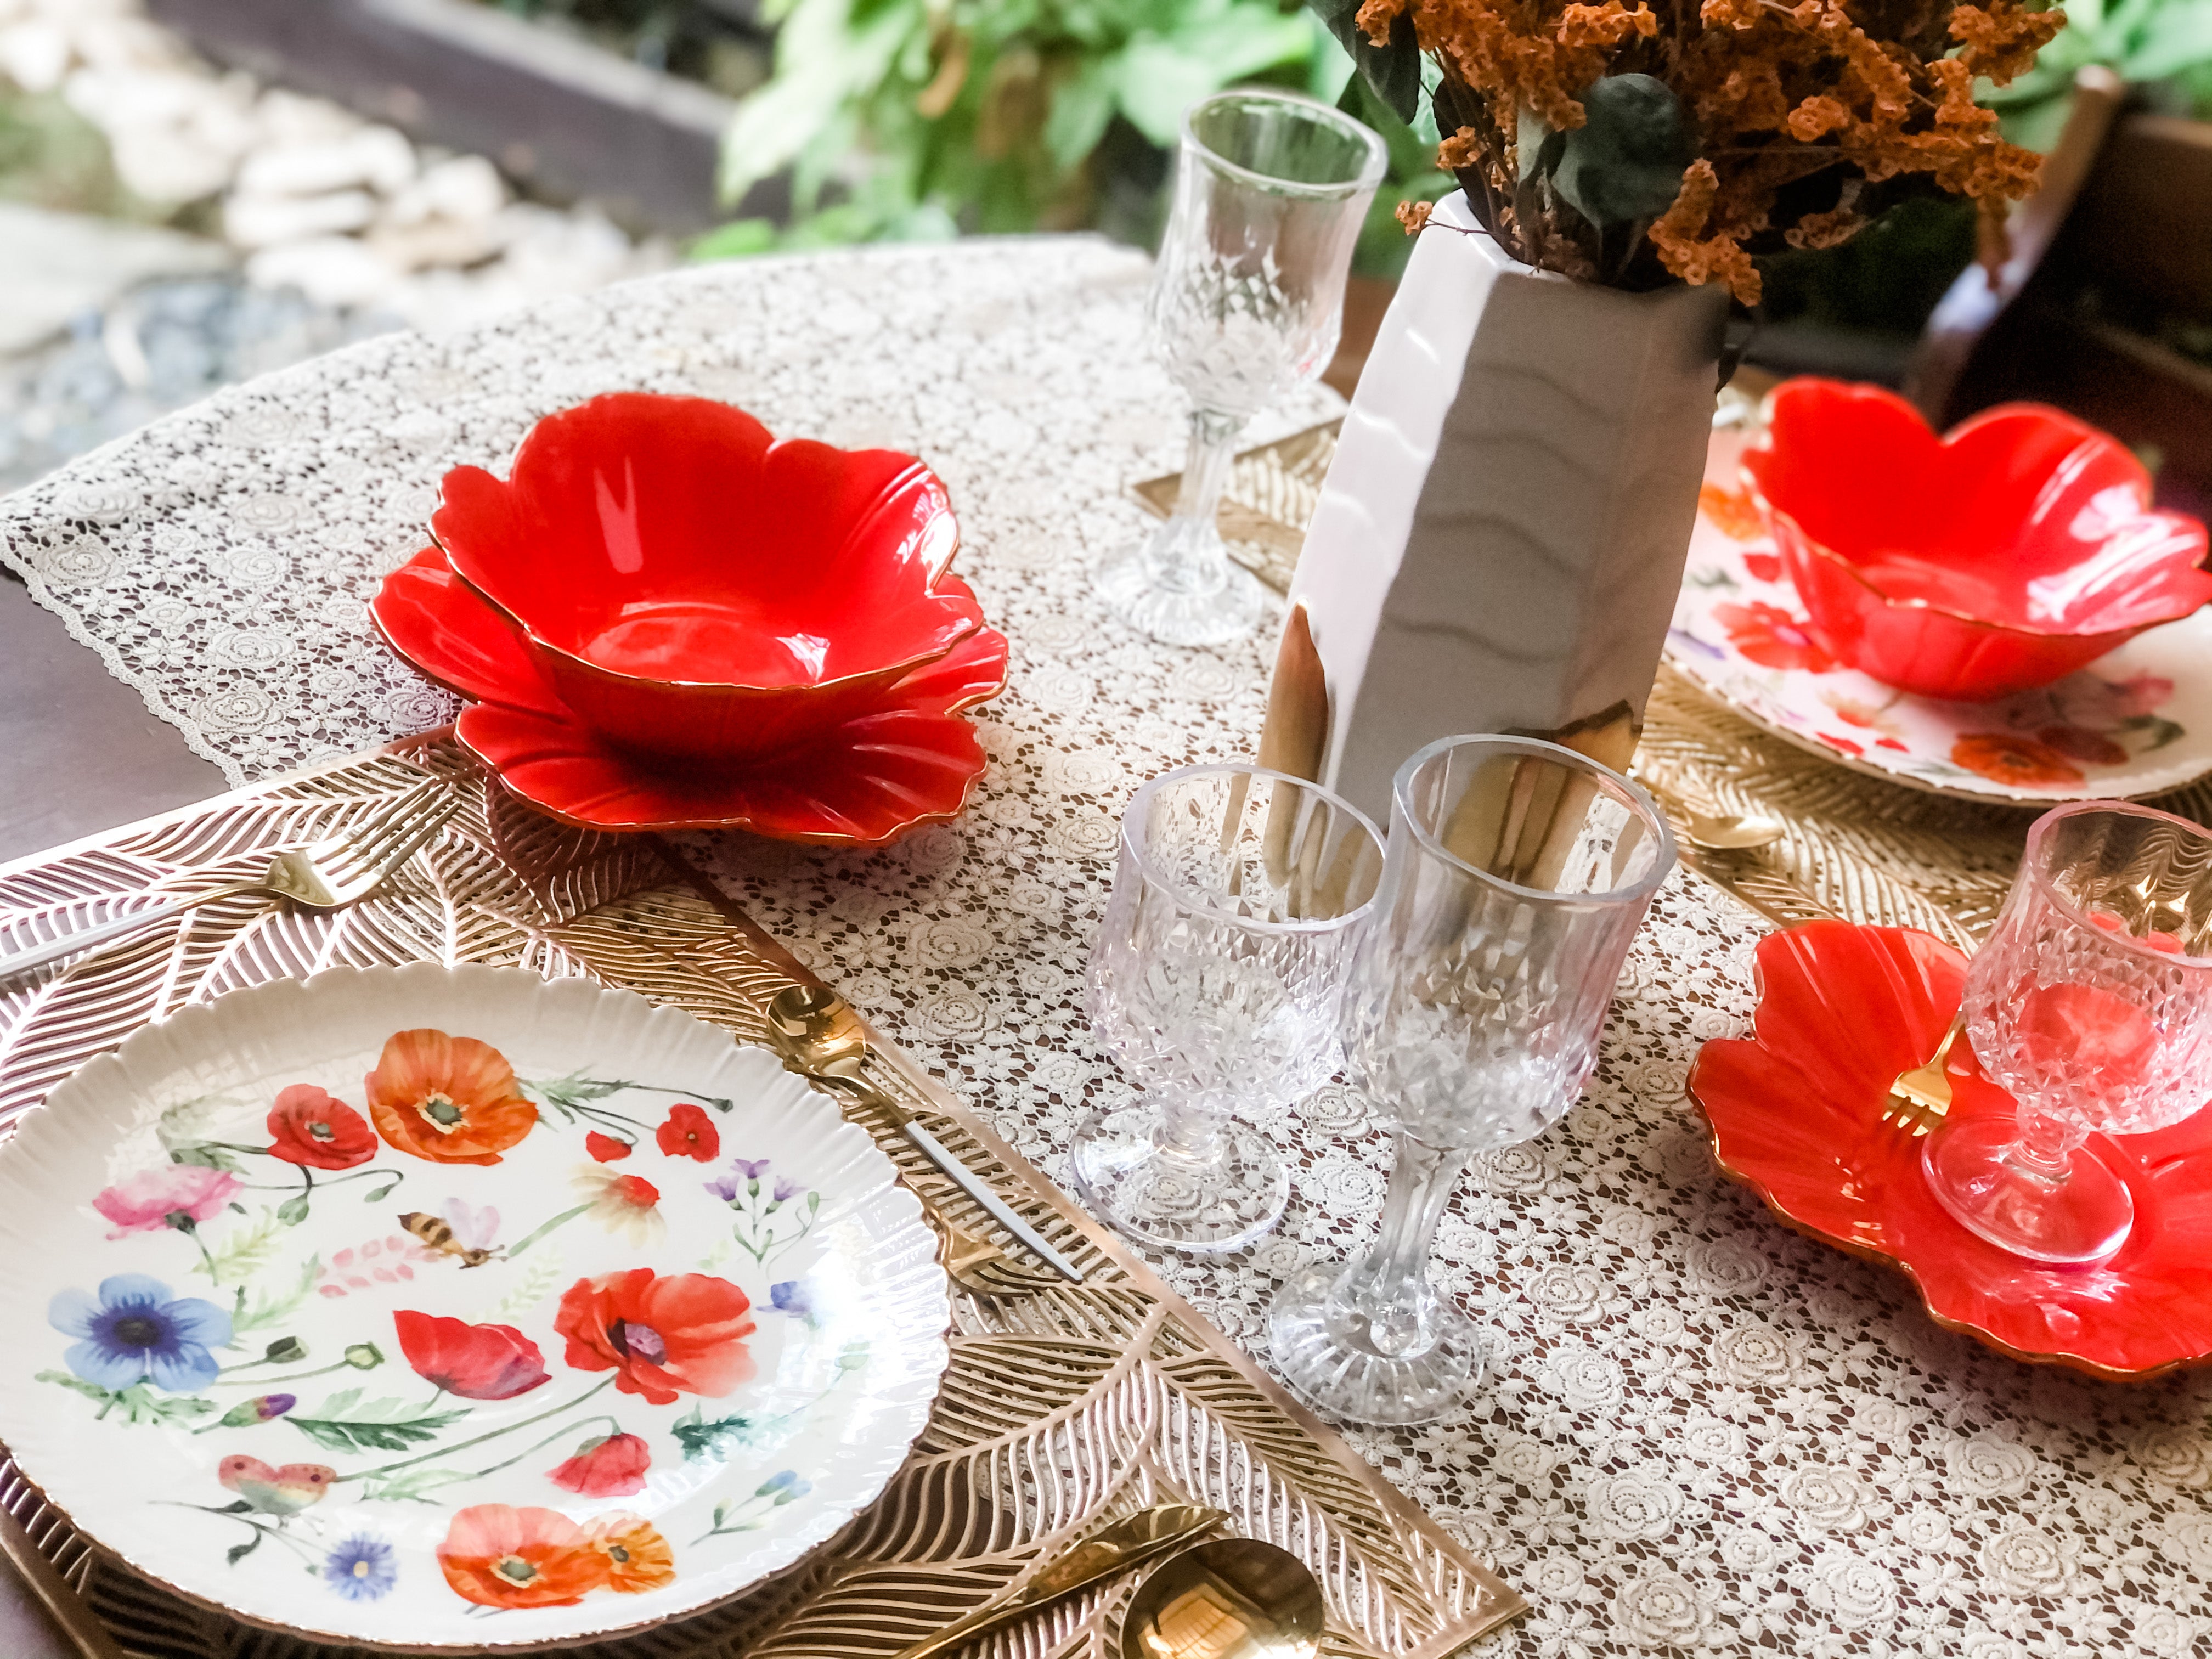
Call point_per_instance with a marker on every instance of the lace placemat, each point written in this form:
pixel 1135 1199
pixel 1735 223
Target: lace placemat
pixel 1061 1407
pixel 1700 1434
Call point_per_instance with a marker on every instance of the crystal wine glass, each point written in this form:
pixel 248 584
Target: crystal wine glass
pixel 1218 980
pixel 1517 874
pixel 1247 299
pixel 2091 1003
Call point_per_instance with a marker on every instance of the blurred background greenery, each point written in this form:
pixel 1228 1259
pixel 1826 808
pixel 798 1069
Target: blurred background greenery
pixel 906 118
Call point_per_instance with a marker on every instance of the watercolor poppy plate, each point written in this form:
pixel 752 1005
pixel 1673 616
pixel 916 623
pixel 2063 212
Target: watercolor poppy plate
pixel 2136 722
pixel 457 1310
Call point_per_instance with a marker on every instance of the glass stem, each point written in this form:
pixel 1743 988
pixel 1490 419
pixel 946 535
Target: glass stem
pixel 2045 1148
pixel 1190 1129
pixel 1388 1289
pixel 1188 552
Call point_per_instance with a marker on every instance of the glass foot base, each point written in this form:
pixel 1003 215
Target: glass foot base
pixel 1211 614
pixel 2084 1218
pixel 1328 1356
pixel 1165 1198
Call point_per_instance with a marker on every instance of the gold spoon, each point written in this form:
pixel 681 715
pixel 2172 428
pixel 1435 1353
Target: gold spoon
pixel 820 1036
pixel 1106 1553
pixel 1731 832
pixel 1236 1598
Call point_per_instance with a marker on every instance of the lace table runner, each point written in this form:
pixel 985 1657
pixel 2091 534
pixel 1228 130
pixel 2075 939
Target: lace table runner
pixel 1701 1434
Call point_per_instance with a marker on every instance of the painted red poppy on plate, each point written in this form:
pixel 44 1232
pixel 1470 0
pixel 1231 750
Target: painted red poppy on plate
pixel 689 1132
pixel 682 1334
pixel 1772 637
pixel 609 1466
pixel 477 1362
pixel 316 1130
pixel 499 1556
pixel 449 1099
pixel 2006 757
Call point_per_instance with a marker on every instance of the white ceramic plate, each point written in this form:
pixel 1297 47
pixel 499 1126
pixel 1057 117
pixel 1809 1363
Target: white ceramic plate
pixel 586 1388
pixel 2136 722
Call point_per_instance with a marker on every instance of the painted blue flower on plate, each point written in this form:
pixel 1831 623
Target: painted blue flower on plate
pixel 136 1330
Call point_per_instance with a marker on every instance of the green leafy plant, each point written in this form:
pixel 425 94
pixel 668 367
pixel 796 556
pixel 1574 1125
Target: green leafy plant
pixel 916 119
pixel 2162 43
pixel 910 118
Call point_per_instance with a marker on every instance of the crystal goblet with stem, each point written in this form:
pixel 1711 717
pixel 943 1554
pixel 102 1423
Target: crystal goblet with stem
pixel 1247 300
pixel 1217 981
pixel 2091 1004
pixel 1517 874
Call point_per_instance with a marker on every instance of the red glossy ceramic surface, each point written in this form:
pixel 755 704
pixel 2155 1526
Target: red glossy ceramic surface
pixel 692 587
pixel 1796 1115
pixel 871 779
pixel 2013 551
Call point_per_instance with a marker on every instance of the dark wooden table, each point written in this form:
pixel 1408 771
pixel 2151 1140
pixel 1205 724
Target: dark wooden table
pixel 79 751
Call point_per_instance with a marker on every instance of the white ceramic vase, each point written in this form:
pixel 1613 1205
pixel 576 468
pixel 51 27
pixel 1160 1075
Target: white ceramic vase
pixel 1502 533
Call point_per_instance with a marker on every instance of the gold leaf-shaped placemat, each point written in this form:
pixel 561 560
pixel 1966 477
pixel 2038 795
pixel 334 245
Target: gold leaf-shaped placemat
pixel 1059 1407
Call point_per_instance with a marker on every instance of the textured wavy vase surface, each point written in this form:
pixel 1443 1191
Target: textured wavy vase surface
pixel 2017 548
pixel 1500 540
pixel 605 1320
pixel 692 587
pixel 1797 1113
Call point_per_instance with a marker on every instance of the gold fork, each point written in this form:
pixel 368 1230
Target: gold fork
pixel 1921 1095
pixel 334 872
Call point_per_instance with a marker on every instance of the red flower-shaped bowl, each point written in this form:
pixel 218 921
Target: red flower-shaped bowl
pixel 693 588
pixel 1796 1115
pixel 910 761
pixel 2017 548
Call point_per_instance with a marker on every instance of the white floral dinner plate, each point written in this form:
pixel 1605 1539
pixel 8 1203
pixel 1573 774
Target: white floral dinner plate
pixel 2136 722
pixel 457 1311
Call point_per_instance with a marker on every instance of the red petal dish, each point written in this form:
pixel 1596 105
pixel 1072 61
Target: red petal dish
pixel 692 587
pixel 2013 551
pixel 1795 1114
pixel 874 777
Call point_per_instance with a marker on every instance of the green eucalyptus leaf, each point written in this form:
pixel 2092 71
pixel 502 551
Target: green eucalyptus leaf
pixel 1538 146
pixel 1080 109
pixel 1626 160
pixel 2178 37
pixel 1393 71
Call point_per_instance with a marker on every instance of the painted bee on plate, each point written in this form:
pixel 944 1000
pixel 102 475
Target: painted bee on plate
pixel 440 1237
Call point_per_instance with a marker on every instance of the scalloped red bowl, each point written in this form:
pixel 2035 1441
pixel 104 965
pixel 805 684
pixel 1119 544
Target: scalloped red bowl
pixel 692 587
pixel 1795 1114
pixel 910 761
pixel 2020 546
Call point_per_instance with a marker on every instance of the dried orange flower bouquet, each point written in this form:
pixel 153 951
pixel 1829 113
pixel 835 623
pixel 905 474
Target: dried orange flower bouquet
pixel 1637 143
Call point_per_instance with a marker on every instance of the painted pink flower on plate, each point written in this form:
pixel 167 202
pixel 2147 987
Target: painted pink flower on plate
pixel 157 1198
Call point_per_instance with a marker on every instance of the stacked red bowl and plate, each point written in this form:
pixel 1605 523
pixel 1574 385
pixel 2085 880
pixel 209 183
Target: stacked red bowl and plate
pixel 665 617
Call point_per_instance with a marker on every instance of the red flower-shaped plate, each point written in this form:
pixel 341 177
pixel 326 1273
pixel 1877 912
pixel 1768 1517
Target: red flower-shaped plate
pixel 1796 1115
pixel 2136 722
pixel 2005 554
pixel 876 777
